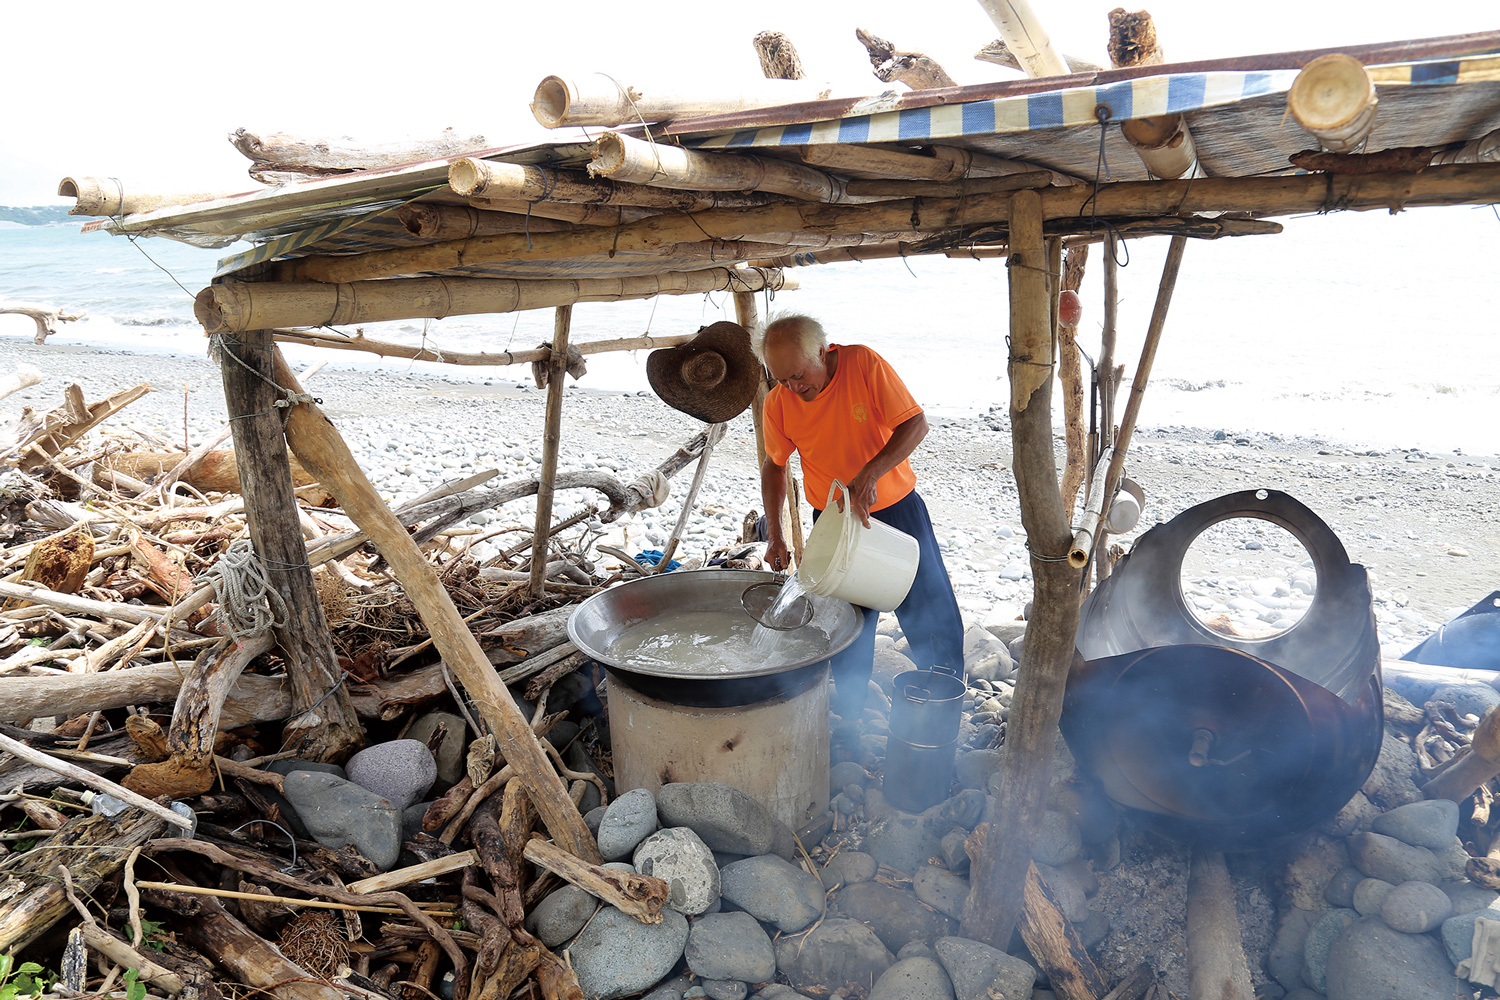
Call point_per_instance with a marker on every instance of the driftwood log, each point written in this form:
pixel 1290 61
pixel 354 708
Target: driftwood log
pixel 188 770
pixel 279 158
pixel 324 453
pixel 998 53
pixel 40 437
pixel 217 471
pixel 641 896
pixel 1055 943
pixel 21 378
pixel 45 317
pixel 32 896
pixel 58 563
pixel 1215 948
pixel 1070 375
pixel 323 725
pixel 915 69
pixel 778 56
pixel 1132 39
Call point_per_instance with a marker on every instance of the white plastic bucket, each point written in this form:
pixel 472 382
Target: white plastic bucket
pixel 872 567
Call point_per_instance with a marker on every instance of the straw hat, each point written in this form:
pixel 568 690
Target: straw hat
pixel 711 377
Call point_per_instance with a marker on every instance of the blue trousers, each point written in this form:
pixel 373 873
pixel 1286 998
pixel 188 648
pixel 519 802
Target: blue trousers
pixel 929 616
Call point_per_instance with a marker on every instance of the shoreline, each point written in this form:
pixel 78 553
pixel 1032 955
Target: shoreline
pixel 1420 522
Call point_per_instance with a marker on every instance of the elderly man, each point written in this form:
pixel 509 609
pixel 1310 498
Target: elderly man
pixel 850 417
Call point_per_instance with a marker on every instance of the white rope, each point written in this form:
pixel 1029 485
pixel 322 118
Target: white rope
pixel 248 604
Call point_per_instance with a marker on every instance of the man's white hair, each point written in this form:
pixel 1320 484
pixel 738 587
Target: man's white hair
pixel 805 331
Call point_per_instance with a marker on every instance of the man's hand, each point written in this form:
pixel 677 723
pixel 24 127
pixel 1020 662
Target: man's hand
pixel 862 496
pixel 778 556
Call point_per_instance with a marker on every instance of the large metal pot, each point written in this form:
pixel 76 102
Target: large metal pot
pixel 763 730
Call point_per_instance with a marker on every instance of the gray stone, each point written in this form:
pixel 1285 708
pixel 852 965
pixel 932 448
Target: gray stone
pixel 896 917
pixel 1071 899
pixel 848 867
pixel 451 753
pixel 1471 698
pixel 916 949
pixel 402 771
pixel 1468 897
pixel 847 772
pixel 1458 933
pixel 593 818
pixel 671 989
pixel 941 889
pixel 1306 878
pixel 1370 961
pixel 772 889
pixel 679 857
pixel 980 971
pixel 913 979
pixel 1303 993
pixel 1393 782
pixel 338 812
pixel 411 820
pixel 730 946
pixel 617 955
pixel 1340 888
pixel 1320 939
pixel 287 765
pixel 626 822
pixel 560 915
pixel 725 818
pixel 1355 815
pixel 837 954
pixel 973 769
pixel 1387 858
pixel 902 840
pixel 1093 929
pixel 1058 841
pixel 962 811
pixel 1431 823
pixel 1415 908
pixel 777 991
pixel 1452 862
pixel 815 829
pixel 1284 959
pixel 725 989
pixel 1369 894
pixel 955 854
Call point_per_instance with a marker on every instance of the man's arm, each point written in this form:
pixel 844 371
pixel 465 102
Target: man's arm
pixel 904 440
pixel 773 496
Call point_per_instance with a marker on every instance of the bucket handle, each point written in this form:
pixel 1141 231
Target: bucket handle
pixel 843 556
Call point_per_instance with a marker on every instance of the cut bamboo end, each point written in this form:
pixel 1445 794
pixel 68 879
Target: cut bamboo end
pixel 1164 145
pixel 1023 34
pixel 552 102
pixel 468 176
pixel 1334 99
pixel 107 196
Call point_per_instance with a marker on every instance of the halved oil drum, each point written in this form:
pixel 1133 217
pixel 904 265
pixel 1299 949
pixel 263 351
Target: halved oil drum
pixel 1230 741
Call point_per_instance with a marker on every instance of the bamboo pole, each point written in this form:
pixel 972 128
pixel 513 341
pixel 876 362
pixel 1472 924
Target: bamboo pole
pixel 323 451
pixel 999 871
pixel 716 433
pixel 623 159
pixel 1023 34
pixel 1104 375
pixel 1215 951
pixel 459 222
pixel 107 196
pixel 1163 143
pixel 886 162
pixel 599 99
pixel 233 306
pixel 1143 367
pixel 583 215
pixel 474 178
pixel 557 372
pixel 1093 508
pixel 1334 98
pixel 359 342
pixel 948 189
pixel 1448 185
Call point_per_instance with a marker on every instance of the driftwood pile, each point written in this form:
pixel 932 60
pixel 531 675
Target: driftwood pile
pixel 125 678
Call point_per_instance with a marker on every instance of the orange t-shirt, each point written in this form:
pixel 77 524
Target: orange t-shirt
pixel 850 421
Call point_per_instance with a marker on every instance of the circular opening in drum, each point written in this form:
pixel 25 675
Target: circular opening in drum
pixel 1247 578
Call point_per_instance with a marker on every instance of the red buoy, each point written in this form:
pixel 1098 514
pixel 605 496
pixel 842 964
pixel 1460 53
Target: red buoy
pixel 1069 307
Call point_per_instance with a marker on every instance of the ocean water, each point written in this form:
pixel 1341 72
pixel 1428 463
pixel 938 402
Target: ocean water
pixel 1361 329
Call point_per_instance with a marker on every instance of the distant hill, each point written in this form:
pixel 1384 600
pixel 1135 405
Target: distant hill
pixel 41 215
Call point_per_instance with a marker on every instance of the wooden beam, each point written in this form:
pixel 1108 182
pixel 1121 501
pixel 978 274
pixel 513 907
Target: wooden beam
pixel 999 872
pixel 557 371
pixel 234 306
pixel 473 178
pixel 624 159
pixel 599 100
pixel 359 342
pixel 321 449
pixel 1447 185
pixel 332 732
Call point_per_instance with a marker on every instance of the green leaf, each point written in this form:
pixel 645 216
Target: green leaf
pixel 134 988
pixel 8 991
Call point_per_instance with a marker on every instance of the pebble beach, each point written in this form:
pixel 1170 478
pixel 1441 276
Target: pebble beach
pixel 1421 522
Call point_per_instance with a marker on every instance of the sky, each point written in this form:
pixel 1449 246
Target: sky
pixel 149 91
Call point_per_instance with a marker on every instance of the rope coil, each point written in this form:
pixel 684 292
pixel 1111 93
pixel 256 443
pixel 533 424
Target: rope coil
pixel 248 605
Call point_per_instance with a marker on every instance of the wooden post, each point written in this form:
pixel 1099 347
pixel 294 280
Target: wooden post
pixel 557 365
pixel 1215 952
pixel 995 901
pixel 325 454
pixel 1104 374
pixel 1143 368
pixel 331 731
pixel 1070 375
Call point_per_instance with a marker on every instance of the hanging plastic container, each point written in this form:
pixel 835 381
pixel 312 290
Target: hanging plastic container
pixel 870 567
pixel 925 713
